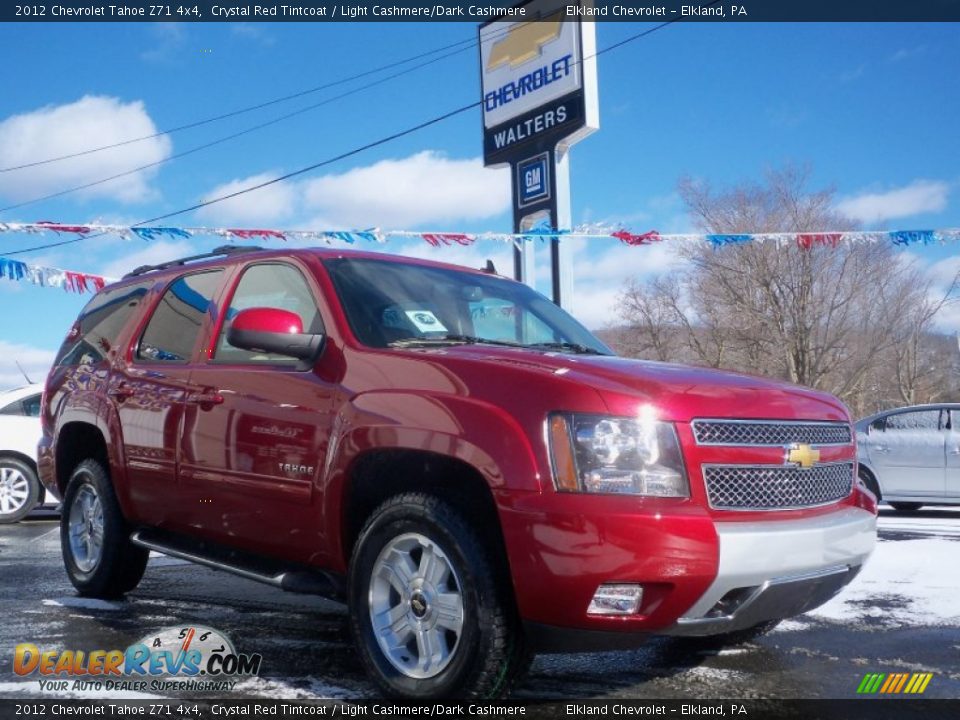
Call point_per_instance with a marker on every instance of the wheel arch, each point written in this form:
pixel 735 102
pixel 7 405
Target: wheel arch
pixel 13 454
pixel 865 469
pixel 77 441
pixel 378 474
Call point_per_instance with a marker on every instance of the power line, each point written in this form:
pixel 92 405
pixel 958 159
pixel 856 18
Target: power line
pixel 342 156
pixel 467 43
pixel 272 181
pixel 232 136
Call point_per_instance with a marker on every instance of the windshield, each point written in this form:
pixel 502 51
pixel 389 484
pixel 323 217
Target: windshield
pixel 391 304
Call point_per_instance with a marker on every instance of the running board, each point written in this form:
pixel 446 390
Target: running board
pixel 245 565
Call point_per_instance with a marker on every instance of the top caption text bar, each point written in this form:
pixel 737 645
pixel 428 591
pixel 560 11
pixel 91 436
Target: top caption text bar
pixel 477 11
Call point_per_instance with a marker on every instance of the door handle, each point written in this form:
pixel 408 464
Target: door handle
pixel 955 451
pixel 121 392
pixel 881 448
pixel 205 399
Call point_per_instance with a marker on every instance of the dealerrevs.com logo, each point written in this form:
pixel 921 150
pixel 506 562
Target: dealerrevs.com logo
pixel 194 659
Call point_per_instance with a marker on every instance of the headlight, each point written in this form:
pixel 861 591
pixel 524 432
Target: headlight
pixel 604 454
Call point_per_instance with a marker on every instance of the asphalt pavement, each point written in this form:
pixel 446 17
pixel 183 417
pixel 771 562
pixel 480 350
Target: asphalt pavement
pixel 307 652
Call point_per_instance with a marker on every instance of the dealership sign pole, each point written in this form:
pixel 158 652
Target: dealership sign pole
pixel 539 81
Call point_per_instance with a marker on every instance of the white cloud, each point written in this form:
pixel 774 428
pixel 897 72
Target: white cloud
pixel 58 130
pixel 251 32
pixel 905 53
pixel 271 204
pixel 920 196
pixel 422 189
pixel 152 254
pixel 165 43
pixel 853 73
pixel 418 190
pixel 602 267
pixel 35 361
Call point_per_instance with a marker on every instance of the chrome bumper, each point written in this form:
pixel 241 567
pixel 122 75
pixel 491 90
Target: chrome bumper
pixel 775 570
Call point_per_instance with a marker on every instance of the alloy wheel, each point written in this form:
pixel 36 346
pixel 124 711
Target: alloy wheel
pixel 416 606
pixel 86 528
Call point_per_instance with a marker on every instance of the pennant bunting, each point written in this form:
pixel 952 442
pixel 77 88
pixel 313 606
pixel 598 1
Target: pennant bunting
pixel 69 280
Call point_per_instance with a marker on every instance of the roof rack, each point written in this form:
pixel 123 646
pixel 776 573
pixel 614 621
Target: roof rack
pixel 223 250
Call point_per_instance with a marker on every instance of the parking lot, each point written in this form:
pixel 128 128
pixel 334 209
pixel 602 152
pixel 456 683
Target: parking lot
pixel 900 615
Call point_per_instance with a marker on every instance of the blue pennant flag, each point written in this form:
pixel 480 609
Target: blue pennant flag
pixel 12 269
pixel 911 237
pixel 718 240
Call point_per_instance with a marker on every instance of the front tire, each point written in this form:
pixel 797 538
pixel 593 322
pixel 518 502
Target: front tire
pixel 431 611
pixel 19 490
pixel 100 560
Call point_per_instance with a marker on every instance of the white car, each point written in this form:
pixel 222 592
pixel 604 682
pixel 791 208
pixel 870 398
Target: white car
pixel 910 456
pixel 20 490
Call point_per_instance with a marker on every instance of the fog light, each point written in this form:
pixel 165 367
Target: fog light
pixel 616 600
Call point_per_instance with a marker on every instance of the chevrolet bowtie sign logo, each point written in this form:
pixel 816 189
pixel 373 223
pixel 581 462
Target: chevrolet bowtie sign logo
pixel 524 41
pixel 802 455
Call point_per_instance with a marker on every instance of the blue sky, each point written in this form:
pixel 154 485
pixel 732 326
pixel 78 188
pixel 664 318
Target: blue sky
pixel 872 108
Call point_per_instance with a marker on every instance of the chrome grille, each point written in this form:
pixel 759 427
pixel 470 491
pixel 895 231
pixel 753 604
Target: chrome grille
pixel 769 433
pixel 775 487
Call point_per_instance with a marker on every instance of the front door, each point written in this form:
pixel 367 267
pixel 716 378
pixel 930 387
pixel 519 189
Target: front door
pixel 255 434
pixel 952 484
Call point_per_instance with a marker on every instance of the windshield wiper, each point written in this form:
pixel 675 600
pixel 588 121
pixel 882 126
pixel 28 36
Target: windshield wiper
pixel 566 347
pixel 450 340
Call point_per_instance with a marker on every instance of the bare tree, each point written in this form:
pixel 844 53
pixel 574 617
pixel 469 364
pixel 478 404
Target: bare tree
pixel 851 319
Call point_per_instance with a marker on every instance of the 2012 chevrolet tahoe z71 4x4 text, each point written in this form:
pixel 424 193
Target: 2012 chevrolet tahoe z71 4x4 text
pixel 458 459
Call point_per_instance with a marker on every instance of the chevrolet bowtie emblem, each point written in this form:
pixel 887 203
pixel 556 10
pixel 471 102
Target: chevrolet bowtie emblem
pixel 524 41
pixel 802 455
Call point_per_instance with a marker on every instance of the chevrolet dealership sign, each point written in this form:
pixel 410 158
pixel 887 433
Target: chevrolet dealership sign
pixel 539 80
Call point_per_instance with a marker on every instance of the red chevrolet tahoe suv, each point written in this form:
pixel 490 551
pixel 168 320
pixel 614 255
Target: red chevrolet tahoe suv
pixel 464 464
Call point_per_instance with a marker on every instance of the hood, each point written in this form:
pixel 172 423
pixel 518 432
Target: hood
pixel 679 392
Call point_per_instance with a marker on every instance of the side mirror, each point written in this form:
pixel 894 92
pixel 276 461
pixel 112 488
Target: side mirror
pixel 273 330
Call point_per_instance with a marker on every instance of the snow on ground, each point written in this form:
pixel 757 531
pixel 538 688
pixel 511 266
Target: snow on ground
pixel 905 582
pixel 792 625
pixel 32 690
pixel 291 689
pixel 83 603
pixel 942 522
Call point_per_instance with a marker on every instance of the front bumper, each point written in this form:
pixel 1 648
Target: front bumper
pixel 561 547
pixel 774 570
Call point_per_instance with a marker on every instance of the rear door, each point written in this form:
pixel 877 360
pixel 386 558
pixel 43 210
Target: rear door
pixel 907 449
pixel 256 433
pixel 149 389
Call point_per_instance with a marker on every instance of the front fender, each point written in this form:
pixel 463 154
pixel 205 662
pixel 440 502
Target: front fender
pixel 477 433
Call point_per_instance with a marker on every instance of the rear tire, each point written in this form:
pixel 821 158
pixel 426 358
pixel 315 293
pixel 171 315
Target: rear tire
pixel 19 490
pixel 100 560
pixel 906 506
pixel 431 612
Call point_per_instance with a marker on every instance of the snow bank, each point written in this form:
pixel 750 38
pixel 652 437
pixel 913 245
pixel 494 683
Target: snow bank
pixel 907 582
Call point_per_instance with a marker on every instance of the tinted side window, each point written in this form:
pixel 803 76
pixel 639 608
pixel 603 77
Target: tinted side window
pixel 14 408
pixel 920 420
pixel 173 328
pixel 96 330
pixel 269 286
pixel 31 405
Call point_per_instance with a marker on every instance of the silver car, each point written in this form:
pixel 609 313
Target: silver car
pixel 910 457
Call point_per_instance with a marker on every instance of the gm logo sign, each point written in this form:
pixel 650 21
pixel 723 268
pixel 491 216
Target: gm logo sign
pixel 533 180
